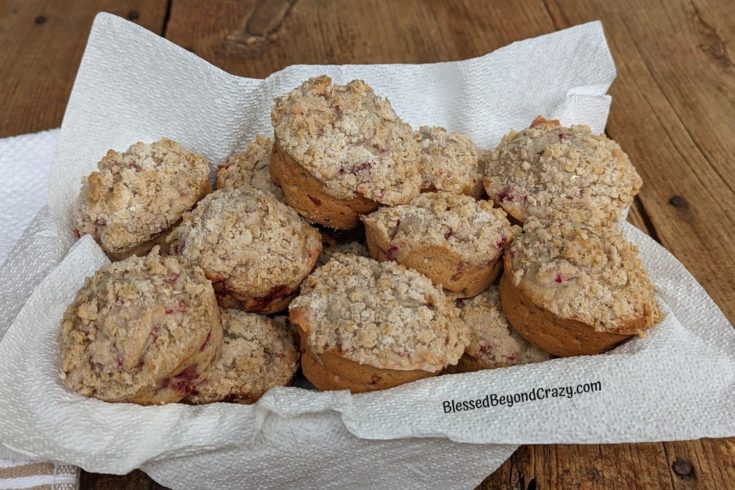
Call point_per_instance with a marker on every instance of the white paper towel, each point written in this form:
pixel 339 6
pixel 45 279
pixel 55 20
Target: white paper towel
pixel 677 383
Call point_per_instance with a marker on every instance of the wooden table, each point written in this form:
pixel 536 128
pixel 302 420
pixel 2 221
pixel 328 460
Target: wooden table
pixel 673 112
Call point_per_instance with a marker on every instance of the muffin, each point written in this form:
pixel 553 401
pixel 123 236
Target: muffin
pixel 250 168
pixel 549 170
pixel 254 249
pixel 572 288
pixel 493 342
pixel 135 197
pixel 141 330
pixel 341 151
pixel 449 162
pixel 453 239
pixel 347 248
pixel 257 354
pixel 368 325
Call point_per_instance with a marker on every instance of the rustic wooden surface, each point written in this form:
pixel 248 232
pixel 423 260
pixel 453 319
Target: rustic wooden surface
pixel 674 101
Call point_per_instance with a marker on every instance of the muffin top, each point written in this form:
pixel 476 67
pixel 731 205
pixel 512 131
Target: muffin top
pixel 492 340
pixel 247 241
pixel 550 170
pixel 137 194
pixel 381 314
pixel 132 323
pixel 473 229
pixel 582 272
pixel 350 139
pixel 347 248
pixel 257 354
pixel 449 162
pixel 250 168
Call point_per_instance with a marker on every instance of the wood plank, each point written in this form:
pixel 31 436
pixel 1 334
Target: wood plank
pixel 41 44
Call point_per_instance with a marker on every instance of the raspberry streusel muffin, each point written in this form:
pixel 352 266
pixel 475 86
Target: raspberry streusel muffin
pixel 449 162
pixel 257 354
pixel 250 168
pixel 493 342
pixel 341 151
pixel 137 196
pixel 572 288
pixel 548 169
pixel 141 330
pixel 453 239
pixel 255 249
pixel 368 325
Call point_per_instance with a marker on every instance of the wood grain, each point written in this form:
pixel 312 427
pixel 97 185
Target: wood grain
pixel 41 44
pixel 672 112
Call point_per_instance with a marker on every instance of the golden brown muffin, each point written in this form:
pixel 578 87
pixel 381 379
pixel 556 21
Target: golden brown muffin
pixel 493 342
pixel 341 151
pixel 255 249
pixel 450 162
pixel 135 197
pixel 141 330
pixel 549 170
pixel 571 288
pixel 250 168
pixel 453 239
pixel 257 354
pixel 368 325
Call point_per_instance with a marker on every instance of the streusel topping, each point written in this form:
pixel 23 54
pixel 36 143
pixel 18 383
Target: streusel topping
pixel 381 314
pixel 449 162
pixel 248 241
pixel 250 168
pixel 350 139
pixel 132 323
pixel 347 248
pixel 547 167
pixel 583 272
pixel 257 354
pixel 473 229
pixel 492 339
pixel 137 194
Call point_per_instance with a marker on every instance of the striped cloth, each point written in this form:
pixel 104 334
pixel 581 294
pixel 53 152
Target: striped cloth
pixel 17 474
pixel 23 159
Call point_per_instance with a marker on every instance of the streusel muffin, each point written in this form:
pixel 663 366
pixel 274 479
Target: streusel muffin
pixel 250 168
pixel 347 248
pixel 341 151
pixel 257 354
pixel 368 325
pixel 255 249
pixel 548 170
pixel 449 162
pixel 493 342
pixel 453 239
pixel 141 330
pixel 135 197
pixel 572 288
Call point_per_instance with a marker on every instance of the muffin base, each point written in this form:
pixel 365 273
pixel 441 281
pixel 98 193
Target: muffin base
pixel 331 371
pixel 307 195
pixel 559 336
pixel 439 264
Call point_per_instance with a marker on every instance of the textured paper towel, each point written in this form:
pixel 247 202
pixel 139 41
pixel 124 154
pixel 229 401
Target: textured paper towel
pixel 677 383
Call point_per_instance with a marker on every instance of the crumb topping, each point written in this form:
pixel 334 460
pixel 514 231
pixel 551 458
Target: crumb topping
pixel 492 339
pixel 548 168
pixel 248 242
pixel 347 248
pixel 381 314
pixel 250 168
pixel 257 354
pixel 473 229
pixel 583 272
pixel 134 322
pixel 350 139
pixel 137 194
pixel 449 162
